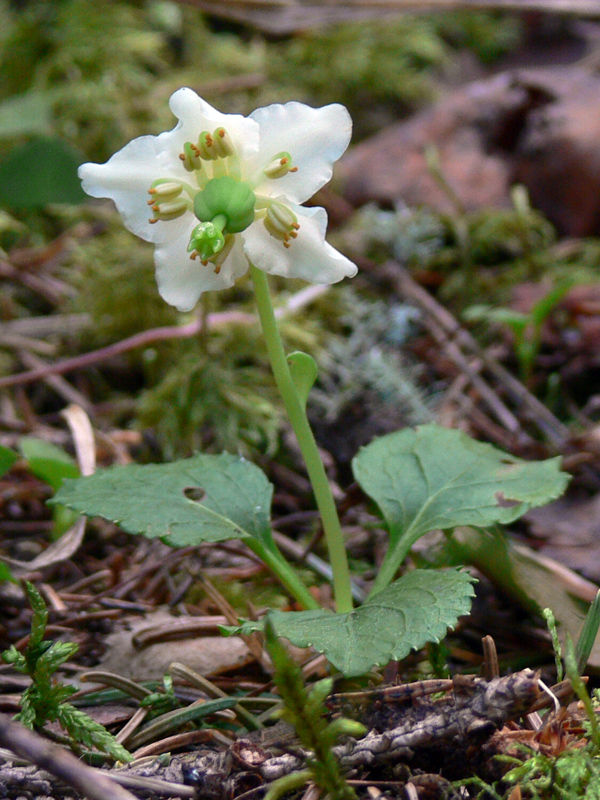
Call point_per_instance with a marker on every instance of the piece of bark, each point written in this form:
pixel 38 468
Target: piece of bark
pixel 467 716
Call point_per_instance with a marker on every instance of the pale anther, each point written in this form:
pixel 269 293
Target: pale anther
pixel 279 166
pixel 222 143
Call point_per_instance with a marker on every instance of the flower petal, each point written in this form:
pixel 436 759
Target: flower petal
pixel 195 115
pixel 125 179
pixel 127 176
pixel 314 137
pixel 309 257
pixel 181 280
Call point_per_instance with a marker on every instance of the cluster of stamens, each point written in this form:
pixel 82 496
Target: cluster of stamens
pixel 223 203
pixel 166 200
pixel 210 147
pixel 281 222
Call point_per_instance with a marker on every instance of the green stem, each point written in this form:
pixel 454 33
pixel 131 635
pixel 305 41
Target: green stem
pixel 306 440
pixel 387 572
pixel 285 573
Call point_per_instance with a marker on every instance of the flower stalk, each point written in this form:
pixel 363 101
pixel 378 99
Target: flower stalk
pixel 306 441
pixel 230 200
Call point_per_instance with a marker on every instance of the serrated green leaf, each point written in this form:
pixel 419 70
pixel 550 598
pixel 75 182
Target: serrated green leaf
pixel 57 654
pixel 7 459
pixel 84 730
pixel 14 657
pixel 436 478
pixel 416 609
pixel 49 462
pixel 233 499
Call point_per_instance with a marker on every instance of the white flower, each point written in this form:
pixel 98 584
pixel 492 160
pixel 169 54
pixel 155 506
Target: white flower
pixel 226 190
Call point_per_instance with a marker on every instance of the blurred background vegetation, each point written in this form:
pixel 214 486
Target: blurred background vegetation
pixel 81 80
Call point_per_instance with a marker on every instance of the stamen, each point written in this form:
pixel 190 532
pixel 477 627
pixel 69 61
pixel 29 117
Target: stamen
pixel 222 143
pixel 205 147
pixel 281 222
pixel 191 157
pixel 166 201
pixel 166 189
pixel 169 210
pixel 279 166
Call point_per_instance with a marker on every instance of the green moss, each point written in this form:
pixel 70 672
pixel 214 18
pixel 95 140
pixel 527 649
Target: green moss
pixel 114 277
pixel 361 65
pixel 106 75
pixel 218 393
pixel 489 35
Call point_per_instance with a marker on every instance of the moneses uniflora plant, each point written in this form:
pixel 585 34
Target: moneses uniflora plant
pixel 222 194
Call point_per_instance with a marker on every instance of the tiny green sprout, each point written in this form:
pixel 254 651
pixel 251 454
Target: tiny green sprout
pixel 45 699
pixel 161 702
pixel 305 710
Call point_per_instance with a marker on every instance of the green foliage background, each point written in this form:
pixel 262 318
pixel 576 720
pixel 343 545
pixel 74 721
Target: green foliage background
pixel 96 76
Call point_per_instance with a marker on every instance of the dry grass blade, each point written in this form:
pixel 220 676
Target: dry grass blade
pixel 457 341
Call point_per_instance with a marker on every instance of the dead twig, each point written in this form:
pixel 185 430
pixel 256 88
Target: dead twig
pixel 456 339
pixel 91 783
pixel 214 321
pixel 290 16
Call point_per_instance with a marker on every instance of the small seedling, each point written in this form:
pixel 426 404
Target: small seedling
pixel 45 699
pixel 526 328
pixel 305 710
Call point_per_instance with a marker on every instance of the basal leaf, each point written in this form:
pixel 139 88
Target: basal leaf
pixel 436 478
pixel 203 498
pixel 416 609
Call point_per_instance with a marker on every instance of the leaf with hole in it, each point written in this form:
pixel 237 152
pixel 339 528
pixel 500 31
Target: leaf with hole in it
pixel 205 498
pixel 436 478
pixel 416 609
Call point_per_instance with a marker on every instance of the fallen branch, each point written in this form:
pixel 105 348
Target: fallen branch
pixel 404 722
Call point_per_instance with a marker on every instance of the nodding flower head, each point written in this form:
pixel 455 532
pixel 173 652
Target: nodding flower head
pixel 220 191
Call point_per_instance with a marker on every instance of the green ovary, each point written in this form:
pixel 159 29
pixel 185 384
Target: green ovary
pixel 229 198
